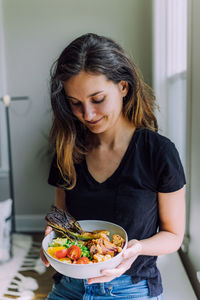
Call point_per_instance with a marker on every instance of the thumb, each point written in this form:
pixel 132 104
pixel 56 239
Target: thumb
pixel 48 229
pixel 134 248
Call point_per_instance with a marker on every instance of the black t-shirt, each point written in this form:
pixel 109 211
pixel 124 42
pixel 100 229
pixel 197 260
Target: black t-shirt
pixel 151 164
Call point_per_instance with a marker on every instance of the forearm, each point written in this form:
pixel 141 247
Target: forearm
pixel 163 242
pixel 60 203
pixel 60 198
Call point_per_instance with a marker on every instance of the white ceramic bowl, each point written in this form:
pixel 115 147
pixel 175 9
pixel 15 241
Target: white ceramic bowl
pixel 84 271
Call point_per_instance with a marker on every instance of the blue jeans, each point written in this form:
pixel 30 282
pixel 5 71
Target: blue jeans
pixel 120 288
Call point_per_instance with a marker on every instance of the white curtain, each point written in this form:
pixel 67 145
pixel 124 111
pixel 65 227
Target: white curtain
pixel 170 69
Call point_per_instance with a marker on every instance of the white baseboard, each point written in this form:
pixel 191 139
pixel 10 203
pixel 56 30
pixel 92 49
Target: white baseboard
pixel 30 223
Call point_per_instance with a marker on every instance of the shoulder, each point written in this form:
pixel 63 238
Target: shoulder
pixel 152 139
pixel 159 155
pixel 154 147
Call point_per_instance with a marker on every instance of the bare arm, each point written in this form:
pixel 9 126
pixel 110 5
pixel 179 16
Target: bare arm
pixel 167 240
pixel 60 203
pixel 60 198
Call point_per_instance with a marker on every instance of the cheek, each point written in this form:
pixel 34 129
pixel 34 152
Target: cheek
pixel 76 111
pixel 107 107
pixel 113 107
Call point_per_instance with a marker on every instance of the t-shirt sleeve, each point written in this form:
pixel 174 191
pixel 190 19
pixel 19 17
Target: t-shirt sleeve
pixel 169 170
pixel 55 177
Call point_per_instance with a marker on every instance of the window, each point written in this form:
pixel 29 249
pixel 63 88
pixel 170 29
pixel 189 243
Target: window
pixel 170 79
pixel 170 69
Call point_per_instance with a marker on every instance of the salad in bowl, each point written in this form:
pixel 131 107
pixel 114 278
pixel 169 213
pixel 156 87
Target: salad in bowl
pixel 81 249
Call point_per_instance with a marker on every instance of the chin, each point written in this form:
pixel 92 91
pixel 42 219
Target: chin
pixel 97 130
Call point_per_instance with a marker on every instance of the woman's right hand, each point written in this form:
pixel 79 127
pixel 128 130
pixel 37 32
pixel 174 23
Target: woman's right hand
pixel 48 229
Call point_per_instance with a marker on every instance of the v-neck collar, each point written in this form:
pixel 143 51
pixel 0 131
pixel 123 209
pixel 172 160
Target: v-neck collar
pixel 118 170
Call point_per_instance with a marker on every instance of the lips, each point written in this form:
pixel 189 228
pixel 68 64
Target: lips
pixel 94 122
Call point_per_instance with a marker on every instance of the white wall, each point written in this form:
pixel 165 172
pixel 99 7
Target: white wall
pixel 35 33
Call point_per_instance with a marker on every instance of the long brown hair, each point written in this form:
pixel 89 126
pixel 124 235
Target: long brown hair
pixel 98 55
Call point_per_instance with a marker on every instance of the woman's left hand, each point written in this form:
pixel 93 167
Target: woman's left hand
pixel 134 248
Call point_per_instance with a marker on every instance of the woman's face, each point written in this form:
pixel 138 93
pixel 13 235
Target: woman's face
pixel 96 101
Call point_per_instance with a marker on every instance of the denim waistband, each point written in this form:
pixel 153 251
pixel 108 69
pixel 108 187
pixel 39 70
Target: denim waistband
pixel 123 279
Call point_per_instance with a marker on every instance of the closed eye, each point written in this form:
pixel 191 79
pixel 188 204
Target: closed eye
pixel 77 103
pixel 98 101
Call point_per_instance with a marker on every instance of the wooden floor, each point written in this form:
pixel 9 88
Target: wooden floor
pixel 45 280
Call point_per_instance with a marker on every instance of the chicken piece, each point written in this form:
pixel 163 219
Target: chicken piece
pixel 102 246
pixel 102 234
pixel 95 248
pixel 118 241
pixel 109 247
pixel 106 257
pixel 99 257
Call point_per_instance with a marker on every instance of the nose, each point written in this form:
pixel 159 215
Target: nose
pixel 88 113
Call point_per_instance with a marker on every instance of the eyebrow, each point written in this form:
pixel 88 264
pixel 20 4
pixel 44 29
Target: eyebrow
pixel 91 95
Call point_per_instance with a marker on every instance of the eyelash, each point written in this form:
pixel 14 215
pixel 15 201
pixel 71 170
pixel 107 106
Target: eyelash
pixel 98 101
pixel 94 101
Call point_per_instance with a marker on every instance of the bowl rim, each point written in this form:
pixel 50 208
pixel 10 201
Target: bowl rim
pixel 91 264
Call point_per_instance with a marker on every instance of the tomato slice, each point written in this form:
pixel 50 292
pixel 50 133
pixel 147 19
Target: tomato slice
pixel 61 253
pixel 74 252
pixel 83 260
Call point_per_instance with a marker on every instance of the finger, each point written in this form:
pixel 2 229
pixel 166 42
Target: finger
pixel 100 279
pixel 110 274
pixel 114 272
pixel 126 263
pixel 45 261
pixel 120 269
pixel 48 229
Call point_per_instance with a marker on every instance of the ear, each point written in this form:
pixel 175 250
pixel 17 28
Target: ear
pixel 123 85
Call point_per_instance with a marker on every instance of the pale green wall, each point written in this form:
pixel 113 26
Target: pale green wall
pixel 35 33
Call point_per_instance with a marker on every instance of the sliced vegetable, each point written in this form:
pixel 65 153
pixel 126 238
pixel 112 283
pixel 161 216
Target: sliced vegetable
pixel 83 260
pixel 74 252
pixel 59 242
pixel 61 253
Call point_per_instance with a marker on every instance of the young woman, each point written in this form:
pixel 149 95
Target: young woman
pixel 111 164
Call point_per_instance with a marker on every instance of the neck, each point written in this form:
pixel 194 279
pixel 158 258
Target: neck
pixel 118 135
